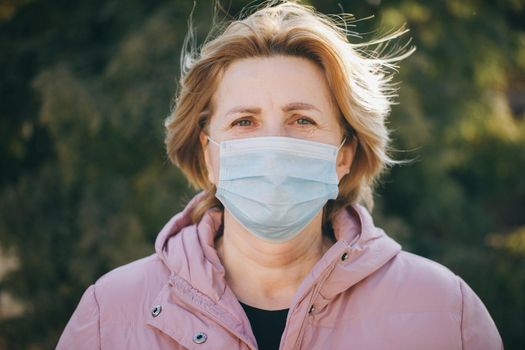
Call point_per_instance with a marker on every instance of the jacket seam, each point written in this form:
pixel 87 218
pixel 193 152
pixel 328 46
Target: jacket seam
pixel 462 311
pixel 98 316
pixel 376 315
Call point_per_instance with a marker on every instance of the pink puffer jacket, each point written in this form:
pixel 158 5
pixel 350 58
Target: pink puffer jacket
pixel 365 293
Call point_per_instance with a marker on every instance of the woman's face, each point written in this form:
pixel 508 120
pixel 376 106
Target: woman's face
pixel 274 96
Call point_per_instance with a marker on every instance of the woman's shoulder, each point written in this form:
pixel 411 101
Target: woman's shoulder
pixel 420 277
pixel 131 284
pixel 423 269
pixel 417 303
pixel 412 283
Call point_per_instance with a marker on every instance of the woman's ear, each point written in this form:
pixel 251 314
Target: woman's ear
pixel 207 157
pixel 203 138
pixel 345 158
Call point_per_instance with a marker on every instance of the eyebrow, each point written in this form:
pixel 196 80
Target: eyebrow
pixel 244 109
pixel 294 106
pixel 303 106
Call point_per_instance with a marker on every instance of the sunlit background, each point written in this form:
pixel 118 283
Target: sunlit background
pixel 85 185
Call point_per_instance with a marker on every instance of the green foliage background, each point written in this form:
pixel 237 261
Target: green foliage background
pixel 85 185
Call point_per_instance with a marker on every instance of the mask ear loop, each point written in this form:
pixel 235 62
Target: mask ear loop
pixel 212 140
pixel 342 144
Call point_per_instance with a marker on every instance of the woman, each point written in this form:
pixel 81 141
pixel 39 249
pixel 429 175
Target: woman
pixel 282 123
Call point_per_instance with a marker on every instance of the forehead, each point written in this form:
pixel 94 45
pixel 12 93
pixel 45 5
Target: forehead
pixel 273 81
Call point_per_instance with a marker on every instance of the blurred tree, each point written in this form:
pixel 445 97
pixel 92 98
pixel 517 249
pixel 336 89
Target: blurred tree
pixel 85 185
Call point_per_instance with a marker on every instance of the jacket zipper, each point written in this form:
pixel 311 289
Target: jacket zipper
pixel 205 311
pixel 313 296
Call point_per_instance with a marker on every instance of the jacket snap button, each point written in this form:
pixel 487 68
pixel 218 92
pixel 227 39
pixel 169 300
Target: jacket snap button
pixel 312 309
pixel 156 310
pixel 344 257
pixel 199 338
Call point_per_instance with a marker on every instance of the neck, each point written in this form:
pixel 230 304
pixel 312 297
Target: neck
pixel 264 274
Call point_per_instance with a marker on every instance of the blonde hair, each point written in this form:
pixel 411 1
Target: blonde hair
pixel 359 77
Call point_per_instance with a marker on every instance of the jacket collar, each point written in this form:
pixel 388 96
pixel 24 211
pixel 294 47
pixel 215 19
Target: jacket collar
pixel 361 248
pixel 188 250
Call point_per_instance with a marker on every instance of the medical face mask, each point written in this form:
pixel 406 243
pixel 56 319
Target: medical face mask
pixel 274 186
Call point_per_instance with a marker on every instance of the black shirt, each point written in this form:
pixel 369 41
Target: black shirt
pixel 267 326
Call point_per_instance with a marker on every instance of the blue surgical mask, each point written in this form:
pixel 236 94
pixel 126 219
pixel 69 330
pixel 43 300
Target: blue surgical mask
pixel 274 186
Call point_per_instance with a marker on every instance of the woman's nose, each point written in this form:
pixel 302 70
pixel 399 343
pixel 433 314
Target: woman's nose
pixel 274 129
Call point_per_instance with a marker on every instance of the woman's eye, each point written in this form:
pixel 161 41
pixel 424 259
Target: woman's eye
pixel 242 122
pixel 304 121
